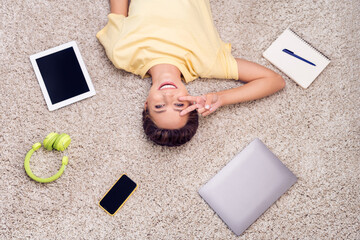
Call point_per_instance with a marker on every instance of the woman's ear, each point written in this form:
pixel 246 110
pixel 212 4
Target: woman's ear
pixel 145 105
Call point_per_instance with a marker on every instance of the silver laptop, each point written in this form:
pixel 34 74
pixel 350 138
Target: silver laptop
pixel 247 186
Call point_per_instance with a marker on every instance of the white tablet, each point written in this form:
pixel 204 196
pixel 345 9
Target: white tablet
pixel 62 75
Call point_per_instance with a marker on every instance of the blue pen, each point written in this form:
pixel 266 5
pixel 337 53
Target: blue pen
pixel 294 55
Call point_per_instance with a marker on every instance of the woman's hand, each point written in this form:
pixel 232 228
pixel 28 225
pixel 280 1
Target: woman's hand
pixel 205 104
pixel 260 82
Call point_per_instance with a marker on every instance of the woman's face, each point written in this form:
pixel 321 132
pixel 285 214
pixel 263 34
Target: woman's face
pixel 164 105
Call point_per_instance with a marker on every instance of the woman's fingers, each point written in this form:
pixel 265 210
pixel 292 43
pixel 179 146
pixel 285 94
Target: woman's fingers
pixel 205 113
pixel 208 112
pixel 201 110
pixel 205 104
pixel 188 109
pixel 208 102
pixel 188 98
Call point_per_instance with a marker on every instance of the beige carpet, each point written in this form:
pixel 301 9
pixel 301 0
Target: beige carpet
pixel 315 132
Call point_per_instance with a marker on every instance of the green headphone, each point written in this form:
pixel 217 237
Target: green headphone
pixel 52 141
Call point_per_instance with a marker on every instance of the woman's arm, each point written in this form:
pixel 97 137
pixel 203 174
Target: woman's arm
pixel 119 7
pixel 260 82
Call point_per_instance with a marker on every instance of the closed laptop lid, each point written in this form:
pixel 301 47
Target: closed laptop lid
pixel 247 186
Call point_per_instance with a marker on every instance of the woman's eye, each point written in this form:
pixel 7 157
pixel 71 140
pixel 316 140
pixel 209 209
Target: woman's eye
pixel 159 106
pixel 179 104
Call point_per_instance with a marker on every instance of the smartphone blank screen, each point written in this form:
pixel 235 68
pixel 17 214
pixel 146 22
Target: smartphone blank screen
pixel 118 194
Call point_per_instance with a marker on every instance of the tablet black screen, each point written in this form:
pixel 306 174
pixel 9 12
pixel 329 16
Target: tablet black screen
pixel 62 75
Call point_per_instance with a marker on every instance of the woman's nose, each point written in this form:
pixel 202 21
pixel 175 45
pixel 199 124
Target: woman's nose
pixel 169 94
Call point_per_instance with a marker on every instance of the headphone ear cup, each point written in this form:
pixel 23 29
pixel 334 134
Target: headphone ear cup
pixel 49 140
pixel 62 142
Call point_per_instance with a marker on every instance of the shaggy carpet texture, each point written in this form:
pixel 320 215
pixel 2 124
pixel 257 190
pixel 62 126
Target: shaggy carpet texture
pixel 315 132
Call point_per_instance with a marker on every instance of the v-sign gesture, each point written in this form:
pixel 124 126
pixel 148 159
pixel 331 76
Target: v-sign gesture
pixel 205 104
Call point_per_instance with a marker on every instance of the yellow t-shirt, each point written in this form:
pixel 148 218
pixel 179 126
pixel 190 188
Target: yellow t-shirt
pixel 177 32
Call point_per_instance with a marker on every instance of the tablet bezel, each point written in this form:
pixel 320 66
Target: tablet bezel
pixel 44 90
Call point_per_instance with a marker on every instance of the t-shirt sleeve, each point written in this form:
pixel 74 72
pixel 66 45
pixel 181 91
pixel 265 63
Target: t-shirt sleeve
pixel 109 35
pixel 225 66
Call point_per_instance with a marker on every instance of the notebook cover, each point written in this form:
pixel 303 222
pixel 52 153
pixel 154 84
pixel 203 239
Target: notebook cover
pixel 300 71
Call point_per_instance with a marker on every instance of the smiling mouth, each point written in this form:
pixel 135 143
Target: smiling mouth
pixel 167 85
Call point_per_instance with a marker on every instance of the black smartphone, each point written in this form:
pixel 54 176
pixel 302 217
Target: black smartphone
pixel 118 194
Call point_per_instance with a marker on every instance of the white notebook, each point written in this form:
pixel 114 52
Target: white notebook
pixel 296 58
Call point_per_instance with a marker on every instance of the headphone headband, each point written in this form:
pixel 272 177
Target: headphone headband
pixel 52 141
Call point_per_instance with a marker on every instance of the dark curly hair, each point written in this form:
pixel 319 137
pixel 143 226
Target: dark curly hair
pixel 170 137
